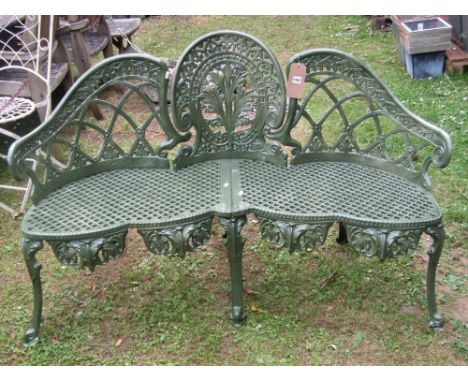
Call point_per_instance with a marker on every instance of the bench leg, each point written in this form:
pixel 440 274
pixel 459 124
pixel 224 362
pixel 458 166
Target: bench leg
pixel 234 243
pixel 30 248
pixel 437 234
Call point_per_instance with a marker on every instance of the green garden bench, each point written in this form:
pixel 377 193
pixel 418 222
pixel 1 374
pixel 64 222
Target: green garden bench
pixel 231 144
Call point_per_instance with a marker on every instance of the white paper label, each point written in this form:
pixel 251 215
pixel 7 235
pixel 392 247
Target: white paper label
pixel 296 79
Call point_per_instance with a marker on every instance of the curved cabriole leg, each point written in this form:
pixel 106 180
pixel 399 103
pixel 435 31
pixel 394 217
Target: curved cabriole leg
pixel 234 243
pixel 30 248
pixel 437 233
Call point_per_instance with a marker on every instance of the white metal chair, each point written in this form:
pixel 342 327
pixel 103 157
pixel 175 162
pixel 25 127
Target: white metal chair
pixel 28 75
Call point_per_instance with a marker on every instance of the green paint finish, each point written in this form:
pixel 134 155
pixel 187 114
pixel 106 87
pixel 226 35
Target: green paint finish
pixel 229 88
pixel 129 75
pixel 30 248
pixel 382 114
pixel 223 152
pixel 437 234
pixel 234 243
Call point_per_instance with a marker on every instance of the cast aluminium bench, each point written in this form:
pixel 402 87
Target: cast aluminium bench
pixel 233 145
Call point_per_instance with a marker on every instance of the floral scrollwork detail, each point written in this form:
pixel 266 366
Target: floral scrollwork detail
pixel 232 237
pixel 177 240
pixel 400 243
pixel 293 236
pixel 310 236
pixel 89 252
pixel 437 234
pixel 272 233
pixel 366 241
pixel 199 234
pixel 383 243
pixel 229 88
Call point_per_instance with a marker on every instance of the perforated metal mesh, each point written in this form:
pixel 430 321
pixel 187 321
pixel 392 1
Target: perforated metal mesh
pixel 307 192
pixel 16 108
pixel 341 191
pixel 119 198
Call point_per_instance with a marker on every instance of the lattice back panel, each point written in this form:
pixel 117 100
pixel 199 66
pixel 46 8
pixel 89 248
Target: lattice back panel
pixel 75 143
pixel 346 109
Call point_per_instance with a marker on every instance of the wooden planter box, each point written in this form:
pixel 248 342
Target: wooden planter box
pixel 426 35
pixel 423 43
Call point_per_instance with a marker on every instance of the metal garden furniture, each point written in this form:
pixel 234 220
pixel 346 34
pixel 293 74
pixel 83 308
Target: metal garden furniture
pixel 33 62
pixel 84 40
pixel 32 65
pixel 232 144
pixel 85 37
pixel 121 30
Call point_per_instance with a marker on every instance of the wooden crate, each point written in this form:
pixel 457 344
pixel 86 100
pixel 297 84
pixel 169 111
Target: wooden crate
pixel 457 59
pixel 425 35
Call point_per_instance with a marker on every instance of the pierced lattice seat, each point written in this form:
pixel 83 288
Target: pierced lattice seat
pixel 327 191
pixel 311 192
pixel 107 202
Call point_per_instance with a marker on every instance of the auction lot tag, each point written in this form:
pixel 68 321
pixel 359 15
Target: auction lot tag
pixel 296 81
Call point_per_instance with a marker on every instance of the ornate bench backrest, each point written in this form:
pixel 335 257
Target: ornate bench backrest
pixel 228 90
pixel 228 101
pixel 134 132
pixel 348 114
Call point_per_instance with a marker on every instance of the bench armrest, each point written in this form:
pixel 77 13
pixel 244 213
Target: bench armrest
pixel 125 76
pixel 326 65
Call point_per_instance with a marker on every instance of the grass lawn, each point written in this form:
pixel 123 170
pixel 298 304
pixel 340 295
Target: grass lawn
pixel 325 307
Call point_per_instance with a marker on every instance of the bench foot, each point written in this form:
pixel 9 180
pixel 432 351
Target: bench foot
pixel 437 321
pixel 238 317
pixel 437 234
pixel 30 337
pixel 234 243
pixel 30 248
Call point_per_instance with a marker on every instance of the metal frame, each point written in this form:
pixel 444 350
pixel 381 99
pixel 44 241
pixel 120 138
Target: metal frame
pixel 34 49
pixel 223 154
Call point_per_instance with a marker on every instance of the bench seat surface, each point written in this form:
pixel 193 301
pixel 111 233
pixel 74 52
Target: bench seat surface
pixel 310 192
pixel 336 191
